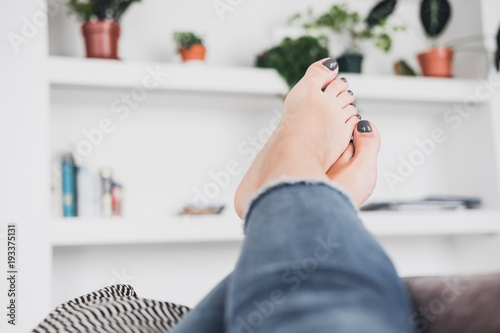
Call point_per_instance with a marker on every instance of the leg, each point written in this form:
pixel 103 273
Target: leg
pixel 208 316
pixel 307 263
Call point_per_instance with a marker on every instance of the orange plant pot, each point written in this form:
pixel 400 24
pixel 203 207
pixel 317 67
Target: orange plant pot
pixel 101 39
pixel 195 52
pixel 437 62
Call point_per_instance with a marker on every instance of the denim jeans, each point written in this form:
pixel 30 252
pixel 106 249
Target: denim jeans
pixel 307 265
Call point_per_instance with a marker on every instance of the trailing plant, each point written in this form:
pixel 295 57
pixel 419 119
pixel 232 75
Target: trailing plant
pixel 292 57
pixel 99 9
pixel 186 39
pixel 340 20
pixel 434 16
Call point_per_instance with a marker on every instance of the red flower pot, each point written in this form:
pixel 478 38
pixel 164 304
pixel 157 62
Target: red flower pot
pixel 101 39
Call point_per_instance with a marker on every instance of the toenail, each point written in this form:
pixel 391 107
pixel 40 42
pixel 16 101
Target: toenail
pixel 354 106
pixel 331 64
pixel 364 126
pixel 350 92
pixel 343 79
pixel 359 116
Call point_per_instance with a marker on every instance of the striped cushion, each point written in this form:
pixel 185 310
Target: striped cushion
pixel 113 309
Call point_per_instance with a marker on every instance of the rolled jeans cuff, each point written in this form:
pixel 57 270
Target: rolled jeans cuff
pixel 288 181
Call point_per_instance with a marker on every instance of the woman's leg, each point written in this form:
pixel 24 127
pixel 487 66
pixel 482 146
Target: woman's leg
pixel 307 263
pixel 208 315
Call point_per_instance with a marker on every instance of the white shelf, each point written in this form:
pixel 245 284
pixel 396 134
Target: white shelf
pixel 199 77
pixel 451 223
pixel 228 228
pixel 414 89
pixel 190 77
pixel 177 229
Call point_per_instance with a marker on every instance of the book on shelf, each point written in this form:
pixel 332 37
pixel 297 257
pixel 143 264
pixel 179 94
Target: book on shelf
pixel 431 203
pixel 78 191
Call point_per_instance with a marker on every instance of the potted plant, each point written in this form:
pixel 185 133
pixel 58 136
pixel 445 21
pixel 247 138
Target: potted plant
pixel 292 57
pixel 100 27
pixel 437 61
pixel 340 21
pixel 190 46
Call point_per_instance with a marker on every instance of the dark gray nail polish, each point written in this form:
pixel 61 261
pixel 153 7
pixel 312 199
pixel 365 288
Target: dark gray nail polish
pixel 359 116
pixel 353 104
pixel 350 92
pixel 331 64
pixel 343 79
pixel 364 126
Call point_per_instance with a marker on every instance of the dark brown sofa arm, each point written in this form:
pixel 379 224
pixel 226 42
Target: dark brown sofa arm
pixel 462 304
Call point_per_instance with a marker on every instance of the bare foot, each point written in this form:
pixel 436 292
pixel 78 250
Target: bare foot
pixel 356 168
pixel 315 129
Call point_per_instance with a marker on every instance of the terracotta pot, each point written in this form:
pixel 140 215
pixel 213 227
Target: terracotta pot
pixel 437 62
pixel 195 52
pixel 101 39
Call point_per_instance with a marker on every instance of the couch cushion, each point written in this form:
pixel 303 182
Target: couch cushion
pixel 466 304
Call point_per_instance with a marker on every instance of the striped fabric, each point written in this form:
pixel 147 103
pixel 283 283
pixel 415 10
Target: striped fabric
pixel 112 309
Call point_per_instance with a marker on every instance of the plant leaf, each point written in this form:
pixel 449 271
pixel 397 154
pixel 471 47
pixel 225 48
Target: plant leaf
pixel 294 18
pixel 292 57
pixel 119 7
pixel 83 10
pixel 434 15
pixel 384 42
pixel 380 13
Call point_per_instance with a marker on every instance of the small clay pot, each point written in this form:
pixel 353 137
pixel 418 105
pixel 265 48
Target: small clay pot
pixel 437 62
pixel 195 52
pixel 101 39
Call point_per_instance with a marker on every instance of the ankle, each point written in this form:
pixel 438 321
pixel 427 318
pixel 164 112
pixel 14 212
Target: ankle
pixel 290 158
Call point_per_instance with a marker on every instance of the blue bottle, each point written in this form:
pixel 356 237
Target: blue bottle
pixel 68 185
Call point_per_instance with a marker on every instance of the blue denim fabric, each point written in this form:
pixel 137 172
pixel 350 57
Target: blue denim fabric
pixel 307 265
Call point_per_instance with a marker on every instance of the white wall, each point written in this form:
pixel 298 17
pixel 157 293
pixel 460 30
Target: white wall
pixel 24 167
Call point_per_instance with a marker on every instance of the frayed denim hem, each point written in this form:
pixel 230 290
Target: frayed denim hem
pixel 293 181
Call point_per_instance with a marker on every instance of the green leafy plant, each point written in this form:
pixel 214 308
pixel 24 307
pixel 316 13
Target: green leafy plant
pixel 340 20
pixel 434 16
pixel 99 9
pixel 186 39
pixel 292 57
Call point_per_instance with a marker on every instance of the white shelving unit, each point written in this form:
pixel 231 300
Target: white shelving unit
pixel 69 73
pixel 192 123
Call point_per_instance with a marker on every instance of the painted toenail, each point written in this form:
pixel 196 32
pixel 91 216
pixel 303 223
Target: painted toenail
pixel 343 79
pixel 350 92
pixel 359 116
pixel 364 126
pixel 354 106
pixel 331 64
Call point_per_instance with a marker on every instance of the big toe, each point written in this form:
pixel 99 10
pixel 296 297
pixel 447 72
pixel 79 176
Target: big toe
pixel 366 140
pixel 320 74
